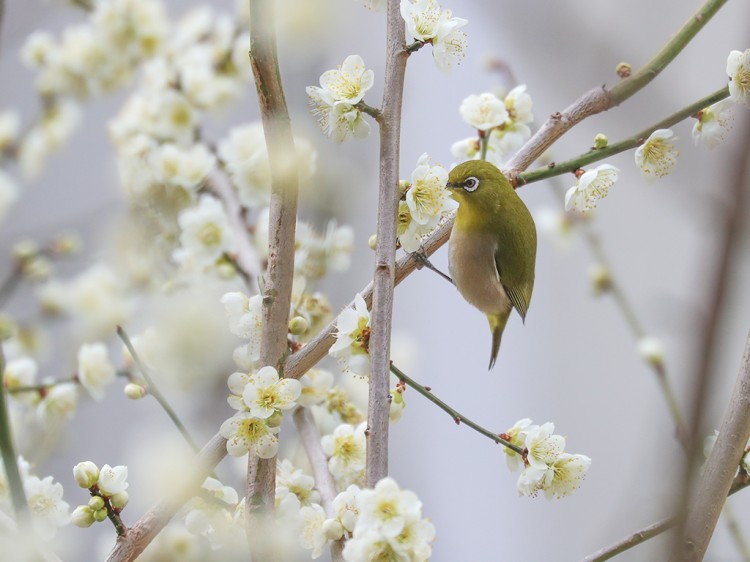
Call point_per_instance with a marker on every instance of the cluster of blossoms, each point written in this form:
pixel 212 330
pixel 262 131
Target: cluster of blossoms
pixel 213 516
pixel 333 103
pixel 54 402
pixel 424 203
pixel 337 102
pixel 44 497
pixel 260 399
pixel 107 487
pixel 503 124
pixel 546 467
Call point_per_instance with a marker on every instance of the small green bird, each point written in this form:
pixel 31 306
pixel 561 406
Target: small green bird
pixel 492 246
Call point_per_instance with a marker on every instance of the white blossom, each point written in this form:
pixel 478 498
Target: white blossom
pixel 657 157
pixel 713 122
pixel 559 479
pixel 426 21
pixel 245 433
pixel 349 82
pixel 59 404
pixel 265 394
pixel 543 447
pixel 20 372
pixel 10 125
pixel 346 451
pixel 46 506
pixel 316 384
pixel 113 479
pixel 184 167
pixel 291 480
pixel 245 320
pixel 345 507
pixel 313 535
pixel 223 493
pixel 352 338
pixel 738 69
pixel 591 186
pixel 484 111
pixel 206 233
pixel 95 372
pixel 517 436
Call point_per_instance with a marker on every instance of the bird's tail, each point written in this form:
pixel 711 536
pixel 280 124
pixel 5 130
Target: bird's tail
pixel 497 325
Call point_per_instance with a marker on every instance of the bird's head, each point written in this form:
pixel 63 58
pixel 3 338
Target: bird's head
pixel 478 185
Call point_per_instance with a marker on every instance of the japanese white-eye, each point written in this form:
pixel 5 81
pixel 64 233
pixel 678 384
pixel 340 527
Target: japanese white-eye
pixel 492 246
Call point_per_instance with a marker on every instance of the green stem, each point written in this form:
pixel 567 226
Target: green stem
pixel 484 140
pixel 17 494
pixel 457 417
pixel 557 169
pixel 154 391
pixel 414 47
pixel 629 86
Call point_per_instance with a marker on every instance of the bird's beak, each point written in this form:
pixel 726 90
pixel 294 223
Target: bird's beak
pixel 451 185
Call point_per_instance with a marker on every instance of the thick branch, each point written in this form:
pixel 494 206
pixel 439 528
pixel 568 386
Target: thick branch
pixel 138 537
pixel 385 254
pixel 282 216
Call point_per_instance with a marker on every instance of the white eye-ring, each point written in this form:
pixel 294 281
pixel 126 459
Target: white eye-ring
pixel 471 184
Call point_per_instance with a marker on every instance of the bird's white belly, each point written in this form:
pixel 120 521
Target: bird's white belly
pixel 475 273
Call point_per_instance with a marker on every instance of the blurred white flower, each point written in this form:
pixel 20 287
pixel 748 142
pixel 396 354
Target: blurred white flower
pixel 591 186
pixel 47 508
pixel 484 111
pixel 651 350
pixel 95 372
pixel 10 124
pixel 223 493
pixel 206 233
pixel 313 536
pixel 738 69
pixel 180 166
pixel 316 384
pixel 353 338
pixel 58 405
pixel 246 321
pixel 375 5
pixel 346 451
pixel 245 155
pixel 556 225
pixel 657 157
pixel 113 479
pixel 713 122
pixel 21 372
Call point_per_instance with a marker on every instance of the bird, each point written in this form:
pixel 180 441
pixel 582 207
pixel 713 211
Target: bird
pixel 492 247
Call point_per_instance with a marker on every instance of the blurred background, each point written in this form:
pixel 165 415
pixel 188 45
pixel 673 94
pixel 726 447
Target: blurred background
pixel 573 363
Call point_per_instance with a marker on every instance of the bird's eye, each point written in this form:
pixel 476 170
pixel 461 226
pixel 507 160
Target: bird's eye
pixel 471 184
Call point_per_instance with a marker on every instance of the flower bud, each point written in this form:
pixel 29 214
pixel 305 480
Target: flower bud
pixel 601 141
pixel 25 249
pixel 119 500
pixel 96 503
pixel 333 529
pixel 275 419
pixel 86 474
pixel 100 515
pixel 623 69
pixel 651 350
pixel 134 391
pixel 82 516
pixel 298 325
pixel 601 280
pixel 372 242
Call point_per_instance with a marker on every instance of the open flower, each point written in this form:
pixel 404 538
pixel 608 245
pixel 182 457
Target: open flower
pixel 113 479
pixel 265 394
pixel 349 82
pixel 543 446
pixel 346 451
pixel 426 21
pixel 246 433
pixel 95 371
pixel 46 506
pixel 484 111
pixel 713 122
pixel 657 157
pixel 738 69
pixel 590 187
pixel 351 347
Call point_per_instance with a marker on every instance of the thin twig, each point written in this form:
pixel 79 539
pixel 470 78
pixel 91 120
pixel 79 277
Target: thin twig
pixel 454 414
pixel 385 253
pixel 277 291
pixel 154 391
pixel 633 141
pixel 600 99
pixel 8 451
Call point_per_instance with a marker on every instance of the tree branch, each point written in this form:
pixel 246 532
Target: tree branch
pixel 8 452
pixel 282 158
pixel 385 254
pixel 600 99
pixel 138 537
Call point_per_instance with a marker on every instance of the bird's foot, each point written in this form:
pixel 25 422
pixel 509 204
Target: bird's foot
pixel 424 261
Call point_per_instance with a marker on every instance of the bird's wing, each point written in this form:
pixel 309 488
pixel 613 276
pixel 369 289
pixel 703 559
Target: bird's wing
pixel 515 267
